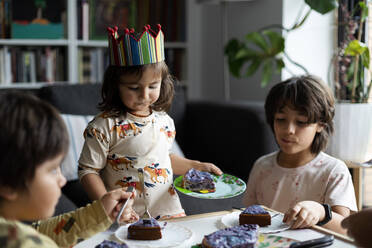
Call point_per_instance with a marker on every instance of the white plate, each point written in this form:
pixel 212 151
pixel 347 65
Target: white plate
pixel 277 225
pixel 172 235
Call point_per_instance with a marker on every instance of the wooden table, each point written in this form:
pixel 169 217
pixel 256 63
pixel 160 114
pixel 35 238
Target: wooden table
pixel 203 224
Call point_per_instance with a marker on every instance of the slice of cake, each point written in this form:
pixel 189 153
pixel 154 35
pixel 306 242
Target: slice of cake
pixel 255 214
pixel 237 236
pixel 198 181
pixel 110 244
pixel 144 229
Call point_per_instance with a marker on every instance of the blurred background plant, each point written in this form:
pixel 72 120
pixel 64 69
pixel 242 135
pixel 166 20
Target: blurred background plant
pixel 266 48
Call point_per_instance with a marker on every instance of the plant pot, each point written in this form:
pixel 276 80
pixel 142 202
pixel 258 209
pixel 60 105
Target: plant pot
pixel 352 138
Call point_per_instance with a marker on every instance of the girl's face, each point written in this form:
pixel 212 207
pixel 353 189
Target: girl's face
pixel 138 94
pixel 40 198
pixel 292 132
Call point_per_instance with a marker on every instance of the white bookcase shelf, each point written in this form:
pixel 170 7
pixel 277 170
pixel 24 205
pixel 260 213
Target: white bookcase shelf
pixel 72 45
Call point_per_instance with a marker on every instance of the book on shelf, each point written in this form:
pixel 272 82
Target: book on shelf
pixel 5 18
pixel 92 64
pixel 31 65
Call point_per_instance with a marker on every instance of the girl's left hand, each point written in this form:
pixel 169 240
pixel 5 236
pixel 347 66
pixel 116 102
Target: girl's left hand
pixel 304 214
pixel 209 167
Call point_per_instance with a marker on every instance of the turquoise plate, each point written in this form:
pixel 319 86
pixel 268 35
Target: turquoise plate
pixel 226 186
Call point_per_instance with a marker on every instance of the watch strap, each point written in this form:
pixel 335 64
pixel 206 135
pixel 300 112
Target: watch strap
pixel 328 215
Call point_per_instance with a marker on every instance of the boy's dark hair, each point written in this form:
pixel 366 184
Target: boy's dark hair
pixel 308 95
pixel 111 100
pixel 31 132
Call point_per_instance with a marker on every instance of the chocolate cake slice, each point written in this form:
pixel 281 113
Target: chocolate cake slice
pixel 255 214
pixel 244 236
pixel 198 181
pixel 144 229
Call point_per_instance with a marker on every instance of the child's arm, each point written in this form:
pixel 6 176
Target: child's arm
pixel 94 186
pixel 359 227
pixel 66 229
pixel 308 213
pixel 181 165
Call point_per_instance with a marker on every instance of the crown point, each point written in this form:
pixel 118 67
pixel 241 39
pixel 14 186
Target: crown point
pixel 145 28
pixel 116 28
pixel 126 31
pixel 159 26
pixel 148 26
pixel 131 30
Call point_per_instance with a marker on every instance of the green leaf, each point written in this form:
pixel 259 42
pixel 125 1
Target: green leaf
pixel 279 65
pixel 364 11
pixel 245 53
pixel 257 39
pixel 253 67
pixel 267 72
pixel 276 41
pixel 235 67
pixel 355 48
pixel 365 58
pixel 322 6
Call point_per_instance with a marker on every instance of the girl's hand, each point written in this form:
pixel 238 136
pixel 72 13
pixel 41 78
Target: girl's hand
pixel 112 202
pixel 304 214
pixel 209 167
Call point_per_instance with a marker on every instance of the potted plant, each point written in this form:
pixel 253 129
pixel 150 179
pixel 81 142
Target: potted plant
pixel 352 77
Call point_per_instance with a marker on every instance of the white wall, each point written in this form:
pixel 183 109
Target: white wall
pixel 311 45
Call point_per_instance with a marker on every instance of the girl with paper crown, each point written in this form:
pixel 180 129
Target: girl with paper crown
pixel 133 131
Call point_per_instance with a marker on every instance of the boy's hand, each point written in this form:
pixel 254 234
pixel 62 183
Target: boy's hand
pixel 209 167
pixel 304 214
pixel 112 202
pixel 359 227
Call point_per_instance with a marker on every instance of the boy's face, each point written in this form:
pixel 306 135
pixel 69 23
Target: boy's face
pixel 39 200
pixel 292 132
pixel 137 94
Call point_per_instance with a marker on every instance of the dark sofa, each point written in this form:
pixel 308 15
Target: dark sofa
pixel 231 135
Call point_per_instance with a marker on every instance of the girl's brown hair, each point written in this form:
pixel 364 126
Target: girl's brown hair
pixel 111 100
pixel 308 95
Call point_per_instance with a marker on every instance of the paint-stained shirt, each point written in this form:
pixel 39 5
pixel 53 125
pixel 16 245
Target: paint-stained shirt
pixel 325 179
pixel 117 145
pixel 60 231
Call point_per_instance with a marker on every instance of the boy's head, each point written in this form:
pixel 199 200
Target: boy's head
pixel 116 77
pixel 32 134
pixel 309 96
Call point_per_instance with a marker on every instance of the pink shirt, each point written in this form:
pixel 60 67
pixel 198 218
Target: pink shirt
pixel 325 179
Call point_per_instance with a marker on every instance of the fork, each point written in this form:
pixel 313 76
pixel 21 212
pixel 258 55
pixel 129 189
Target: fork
pixel 146 214
pixel 116 224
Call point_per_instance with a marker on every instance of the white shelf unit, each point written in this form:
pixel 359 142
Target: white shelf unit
pixel 72 45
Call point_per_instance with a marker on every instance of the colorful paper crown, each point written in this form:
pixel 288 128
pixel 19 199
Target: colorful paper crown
pixel 128 50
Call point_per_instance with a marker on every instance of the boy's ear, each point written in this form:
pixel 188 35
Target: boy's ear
pixel 320 127
pixel 8 193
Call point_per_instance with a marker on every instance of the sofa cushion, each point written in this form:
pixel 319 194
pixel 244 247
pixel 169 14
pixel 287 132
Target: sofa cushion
pixel 77 99
pixel 76 125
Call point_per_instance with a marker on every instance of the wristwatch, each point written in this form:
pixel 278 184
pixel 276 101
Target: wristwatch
pixel 328 215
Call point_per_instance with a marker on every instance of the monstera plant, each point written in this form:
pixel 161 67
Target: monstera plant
pixel 266 48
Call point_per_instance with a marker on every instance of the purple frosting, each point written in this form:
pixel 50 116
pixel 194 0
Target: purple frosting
pixel 243 236
pixel 255 209
pixel 196 176
pixel 110 244
pixel 146 222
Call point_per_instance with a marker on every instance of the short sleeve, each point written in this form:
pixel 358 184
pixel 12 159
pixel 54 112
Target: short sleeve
pixel 340 189
pixel 96 146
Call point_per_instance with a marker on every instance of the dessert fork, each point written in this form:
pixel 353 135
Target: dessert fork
pixel 116 224
pixel 146 214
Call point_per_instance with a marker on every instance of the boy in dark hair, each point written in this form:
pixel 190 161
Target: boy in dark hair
pixel 300 180
pixel 33 142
